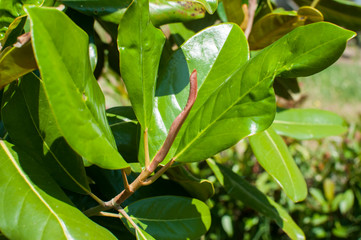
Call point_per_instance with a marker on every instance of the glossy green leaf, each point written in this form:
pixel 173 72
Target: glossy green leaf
pixel 15 29
pixel 73 93
pixel 273 155
pixel 341 12
pixel 308 124
pixel 161 11
pixel 241 190
pixel 212 53
pixel 16 62
pixel 32 126
pixel 140 46
pixel 124 126
pixel 170 217
pixel 34 207
pixel 226 116
pixel 273 26
pixel 201 189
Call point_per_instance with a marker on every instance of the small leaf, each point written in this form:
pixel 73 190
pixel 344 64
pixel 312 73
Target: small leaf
pixel 201 189
pixel 15 29
pixel 329 189
pixel 16 62
pixel 170 217
pixel 273 155
pixel 341 12
pixel 308 124
pixel 125 129
pixel 143 235
pixel 39 208
pixel 240 189
pixel 74 95
pixel 140 46
pixel 273 26
pixel 347 201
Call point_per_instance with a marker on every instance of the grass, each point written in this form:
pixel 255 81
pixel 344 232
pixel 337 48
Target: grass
pixel 338 88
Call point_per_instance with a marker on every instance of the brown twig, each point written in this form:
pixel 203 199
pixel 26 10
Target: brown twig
pixel 144 177
pixel 252 6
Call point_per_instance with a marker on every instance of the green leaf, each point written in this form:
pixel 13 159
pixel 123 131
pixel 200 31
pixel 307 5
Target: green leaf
pixel 341 12
pixel 34 207
pixel 161 11
pixel 201 189
pixel 284 87
pixel 273 26
pixel 234 11
pixel 140 46
pixel 170 217
pixel 308 124
pixel 240 189
pixel 124 126
pixel 16 62
pixel 212 53
pixel 347 201
pixel 226 116
pixel 15 29
pixel 73 93
pixel 32 126
pixel 273 155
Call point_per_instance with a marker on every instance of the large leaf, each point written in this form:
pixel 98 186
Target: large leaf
pixel 273 26
pixel 213 54
pixel 342 12
pixel 244 103
pixel 273 155
pixel 32 205
pixel 240 189
pixel 161 11
pixel 140 46
pixel 308 124
pixel 32 126
pixel 16 62
pixel 61 50
pixel 170 217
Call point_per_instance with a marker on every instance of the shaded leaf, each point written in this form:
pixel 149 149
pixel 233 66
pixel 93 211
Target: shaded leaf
pixel 341 12
pixel 284 87
pixel 74 95
pixel 273 155
pixel 38 209
pixel 11 9
pixel 140 46
pixel 240 189
pixel 16 62
pixel 125 128
pixel 309 124
pixel 273 26
pixel 235 11
pixel 15 29
pixel 170 217
pixel 201 189
pixel 32 126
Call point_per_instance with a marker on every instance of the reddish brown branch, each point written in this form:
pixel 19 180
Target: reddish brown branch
pixel 177 124
pixel 252 6
pixel 143 178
